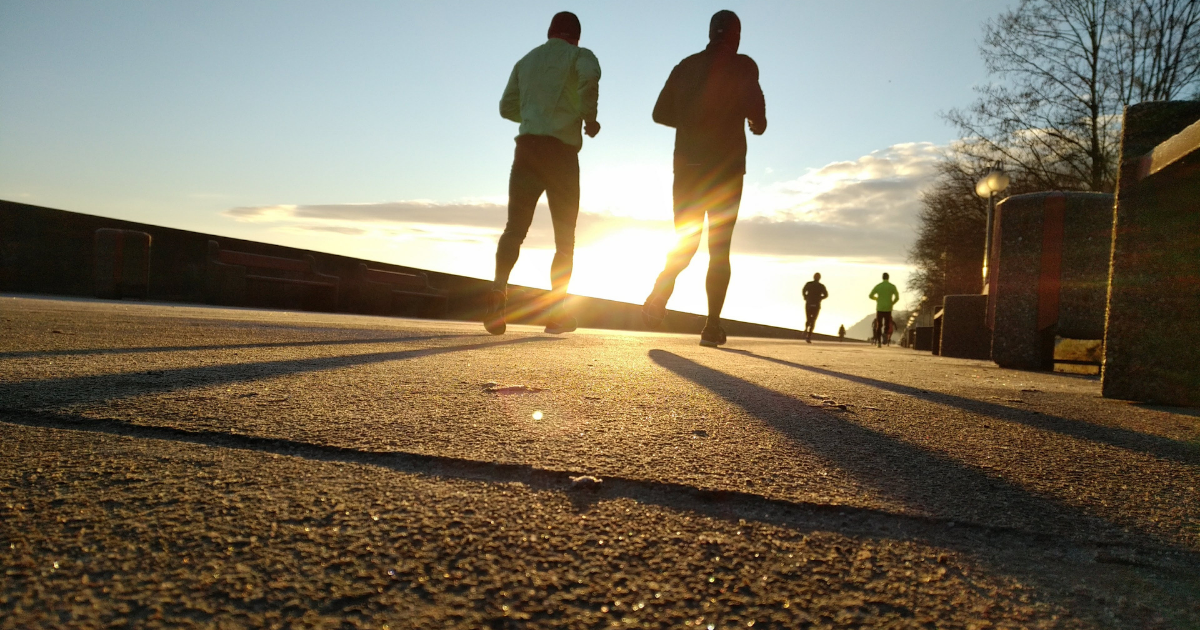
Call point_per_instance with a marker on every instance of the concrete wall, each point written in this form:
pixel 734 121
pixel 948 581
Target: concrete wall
pixel 1153 327
pixel 48 251
pixel 1051 270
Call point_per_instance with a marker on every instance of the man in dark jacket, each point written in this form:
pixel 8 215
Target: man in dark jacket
pixel 813 293
pixel 706 99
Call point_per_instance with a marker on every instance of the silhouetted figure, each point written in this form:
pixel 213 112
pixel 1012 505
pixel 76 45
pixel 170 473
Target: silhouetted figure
pixel 842 332
pixel 885 295
pixel 552 92
pixel 707 98
pixel 813 293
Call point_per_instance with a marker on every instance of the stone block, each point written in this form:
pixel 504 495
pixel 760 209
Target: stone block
pixel 1153 325
pixel 923 340
pixel 1050 253
pixel 965 334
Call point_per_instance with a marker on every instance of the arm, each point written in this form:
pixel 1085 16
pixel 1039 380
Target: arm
pixel 824 292
pixel 754 101
pixel 874 295
pixel 895 297
pixel 510 102
pixel 664 108
pixel 587 67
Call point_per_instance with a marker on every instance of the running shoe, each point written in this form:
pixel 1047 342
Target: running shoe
pixel 493 319
pixel 654 311
pixel 562 325
pixel 712 336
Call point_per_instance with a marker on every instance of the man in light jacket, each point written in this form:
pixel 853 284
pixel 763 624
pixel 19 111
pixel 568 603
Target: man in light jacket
pixel 708 99
pixel 552 92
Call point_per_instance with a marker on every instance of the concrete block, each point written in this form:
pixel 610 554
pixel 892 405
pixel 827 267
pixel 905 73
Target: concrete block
pixel 1153 323
pixel 923 340
pixel 1050 253
pixel 122 264
pixel 965 334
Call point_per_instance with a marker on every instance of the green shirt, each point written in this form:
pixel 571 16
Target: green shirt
pixel 552 90
pixel 885 295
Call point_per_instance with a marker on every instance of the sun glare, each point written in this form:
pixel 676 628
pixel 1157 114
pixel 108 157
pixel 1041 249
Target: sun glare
pixel 621 266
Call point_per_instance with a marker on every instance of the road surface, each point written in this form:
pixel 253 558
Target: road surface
pixel 176 466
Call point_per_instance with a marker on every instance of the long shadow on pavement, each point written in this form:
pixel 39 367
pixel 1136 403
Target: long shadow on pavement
pixel 920 478
pixel 235 346
pixel 87 389
pixel 730 506
pixel 1122 438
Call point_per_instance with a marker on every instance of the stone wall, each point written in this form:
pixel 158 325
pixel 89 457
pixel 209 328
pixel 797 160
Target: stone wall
pixel 1050 254
pixel 1153 326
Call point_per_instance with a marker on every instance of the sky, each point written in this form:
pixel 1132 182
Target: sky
pixel 371 129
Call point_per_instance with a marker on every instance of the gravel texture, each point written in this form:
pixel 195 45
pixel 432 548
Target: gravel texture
pixel 173 466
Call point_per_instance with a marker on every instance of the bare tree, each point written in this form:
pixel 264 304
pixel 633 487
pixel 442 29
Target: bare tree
pixel 1052 111
pixel 1063 71
pixel 1156 54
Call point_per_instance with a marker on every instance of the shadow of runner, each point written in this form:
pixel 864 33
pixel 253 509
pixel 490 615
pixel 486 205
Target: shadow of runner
pixel 89 389
pixel 922 479
pixel 1156 446
pixel 19 354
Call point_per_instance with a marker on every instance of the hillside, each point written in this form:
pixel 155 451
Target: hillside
pixel 862 330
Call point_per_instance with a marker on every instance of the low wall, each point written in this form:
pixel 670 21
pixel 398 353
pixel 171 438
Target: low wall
pixel 49 251
pixel 1050 253
pixel 1153 326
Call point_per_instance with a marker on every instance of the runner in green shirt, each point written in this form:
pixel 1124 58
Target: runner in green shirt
pixel 885 295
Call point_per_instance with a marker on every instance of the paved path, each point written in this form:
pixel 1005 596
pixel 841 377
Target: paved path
pixel 184 466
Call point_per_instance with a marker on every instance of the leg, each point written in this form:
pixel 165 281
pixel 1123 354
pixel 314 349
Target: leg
pixel 525 187
pixel 689 222
pixel 562 194
pixel 721 203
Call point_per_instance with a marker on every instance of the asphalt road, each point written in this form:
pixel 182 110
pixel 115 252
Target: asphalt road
pixel 167 466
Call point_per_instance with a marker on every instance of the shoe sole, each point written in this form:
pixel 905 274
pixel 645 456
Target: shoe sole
pixel 709 344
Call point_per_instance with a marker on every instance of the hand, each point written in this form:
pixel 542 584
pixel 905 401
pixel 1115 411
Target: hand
pixel 591 128
pixel 757 127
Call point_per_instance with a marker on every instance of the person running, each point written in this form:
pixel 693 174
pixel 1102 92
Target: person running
pixel 552 91
pixel 842 332
pixel 813 293
pixel 708 98
pixel 885 295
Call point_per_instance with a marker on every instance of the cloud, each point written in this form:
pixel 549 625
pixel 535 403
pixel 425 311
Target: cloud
pixel 857 210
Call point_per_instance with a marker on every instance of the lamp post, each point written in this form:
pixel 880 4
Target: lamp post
pixel 994 181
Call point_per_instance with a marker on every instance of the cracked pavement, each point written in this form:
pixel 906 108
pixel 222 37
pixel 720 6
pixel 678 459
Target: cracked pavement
pixel 181 466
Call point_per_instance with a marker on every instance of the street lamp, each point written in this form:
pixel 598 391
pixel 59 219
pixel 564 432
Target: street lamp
pixel 994 181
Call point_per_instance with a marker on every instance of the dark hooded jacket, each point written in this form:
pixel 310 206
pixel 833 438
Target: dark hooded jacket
pixel 707 99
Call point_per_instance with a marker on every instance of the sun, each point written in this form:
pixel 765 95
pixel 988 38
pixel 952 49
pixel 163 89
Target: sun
pixel 621 266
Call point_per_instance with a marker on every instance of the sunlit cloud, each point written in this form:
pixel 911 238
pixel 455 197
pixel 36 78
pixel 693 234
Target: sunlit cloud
pixel 862 210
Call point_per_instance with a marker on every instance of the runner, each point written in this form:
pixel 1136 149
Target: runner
pixel 708 99
pixel 552 92
pixel 885 295
pixel 813 293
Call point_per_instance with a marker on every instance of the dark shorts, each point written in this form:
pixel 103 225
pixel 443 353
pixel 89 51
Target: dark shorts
pixel 812 310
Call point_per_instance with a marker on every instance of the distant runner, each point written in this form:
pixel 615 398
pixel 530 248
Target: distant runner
pixel 813 293
pixel 885 295
pixel 842 332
